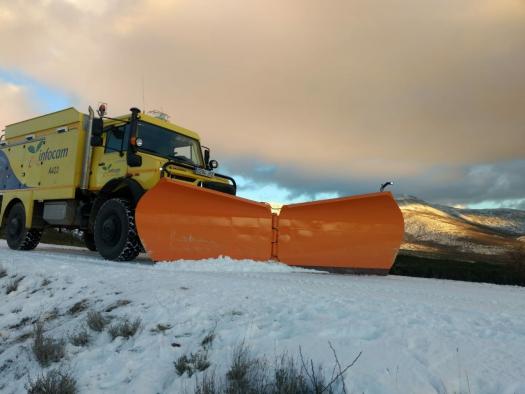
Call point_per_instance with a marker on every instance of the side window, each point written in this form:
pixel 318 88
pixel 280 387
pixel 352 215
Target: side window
pixel 117 138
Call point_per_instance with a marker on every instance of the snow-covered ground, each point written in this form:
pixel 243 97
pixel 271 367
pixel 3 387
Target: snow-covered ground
pixel 416 335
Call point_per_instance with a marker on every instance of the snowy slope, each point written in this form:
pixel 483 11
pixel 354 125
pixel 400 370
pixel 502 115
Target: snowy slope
pixel 416 335
pixel 460 233
pixel 511 221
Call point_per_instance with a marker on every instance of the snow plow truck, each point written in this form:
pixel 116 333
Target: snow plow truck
pixel 139 183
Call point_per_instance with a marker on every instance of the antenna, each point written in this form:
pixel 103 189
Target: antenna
pixel 143 95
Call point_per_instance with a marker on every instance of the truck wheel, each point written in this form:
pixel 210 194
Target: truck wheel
pixel 18 237
pixel 89 241
pixel 115 233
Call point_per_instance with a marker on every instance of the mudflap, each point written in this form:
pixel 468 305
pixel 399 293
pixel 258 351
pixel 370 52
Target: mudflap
pixel 182 221
pixel 358 234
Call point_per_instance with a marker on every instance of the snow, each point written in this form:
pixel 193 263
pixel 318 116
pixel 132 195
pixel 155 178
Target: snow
pixel 416 335
pixel 488 232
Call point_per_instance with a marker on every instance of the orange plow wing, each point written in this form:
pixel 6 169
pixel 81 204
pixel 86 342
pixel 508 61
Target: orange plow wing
pixel 180 221
pixel 359 233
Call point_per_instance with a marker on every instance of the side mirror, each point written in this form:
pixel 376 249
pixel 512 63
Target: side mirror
pixel 206 157
pixel 134 128
pixel 96 140
pixel 134 160
pixel 98 127
pixel 213 164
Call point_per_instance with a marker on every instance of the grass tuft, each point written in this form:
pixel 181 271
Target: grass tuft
pixel 116 305
pixel 191 363
pixel 80 338
pixel 78 307
pixel 96 321
pixel 13 285
pixel 54 382
pixel 3 272
pixel 246 373
pixel 288 375
pixel 124 328
pixel 46 350
pixel 208 384
pixel 207 341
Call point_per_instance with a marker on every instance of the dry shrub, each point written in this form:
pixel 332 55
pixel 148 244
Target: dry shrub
pixel 54 382
pixel 124 328
pixel 191 363
pixel 80 338
pixel 46 350
pixel 13 285
pixel 289 375
pixel 96 321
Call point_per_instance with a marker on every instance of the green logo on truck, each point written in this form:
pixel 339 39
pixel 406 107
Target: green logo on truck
pixel 34 149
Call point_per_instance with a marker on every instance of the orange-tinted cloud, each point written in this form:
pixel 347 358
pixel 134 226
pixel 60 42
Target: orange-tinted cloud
pixel 363 89
pixel 16 103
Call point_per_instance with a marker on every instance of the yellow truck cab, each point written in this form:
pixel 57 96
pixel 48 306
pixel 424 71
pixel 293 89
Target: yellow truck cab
pixel 77 171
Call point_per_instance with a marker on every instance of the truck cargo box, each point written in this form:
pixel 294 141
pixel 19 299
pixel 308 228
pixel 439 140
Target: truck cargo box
pixel 43 155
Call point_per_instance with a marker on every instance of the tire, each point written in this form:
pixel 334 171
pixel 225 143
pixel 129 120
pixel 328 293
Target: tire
pixel 18 237
pixel 115 233
pixel 89 241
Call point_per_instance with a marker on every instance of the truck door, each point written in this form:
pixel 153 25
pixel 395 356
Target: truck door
pixel 113 163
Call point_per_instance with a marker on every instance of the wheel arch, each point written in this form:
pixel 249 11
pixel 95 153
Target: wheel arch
pixel 8 206
pixel 126 188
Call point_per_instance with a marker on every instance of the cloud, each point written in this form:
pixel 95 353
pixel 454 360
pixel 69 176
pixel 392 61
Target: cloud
pixel 340 95
pixel 16 103
pixel 512 204
pixel 490 185
pixel 45 98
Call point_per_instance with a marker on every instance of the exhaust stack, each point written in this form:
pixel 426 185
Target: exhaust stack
pixel 86 164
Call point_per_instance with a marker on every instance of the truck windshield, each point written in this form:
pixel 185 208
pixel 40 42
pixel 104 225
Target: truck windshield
pixel 169 144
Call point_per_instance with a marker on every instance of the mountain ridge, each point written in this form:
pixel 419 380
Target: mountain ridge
pixel 440 231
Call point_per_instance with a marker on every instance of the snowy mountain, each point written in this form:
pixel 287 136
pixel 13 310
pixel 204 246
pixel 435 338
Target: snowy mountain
pixel 454 233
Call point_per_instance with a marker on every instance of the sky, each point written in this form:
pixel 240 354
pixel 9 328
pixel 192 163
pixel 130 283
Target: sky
pixel 298 99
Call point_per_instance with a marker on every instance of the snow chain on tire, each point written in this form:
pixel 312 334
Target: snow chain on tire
pixel 131 245
pixel 17 236
pixel 31 240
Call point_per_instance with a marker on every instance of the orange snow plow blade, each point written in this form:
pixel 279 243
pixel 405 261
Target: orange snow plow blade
pixel 361 233
pixel 180 221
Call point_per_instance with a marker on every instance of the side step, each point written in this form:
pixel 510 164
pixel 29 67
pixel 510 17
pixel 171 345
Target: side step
pixel 180 221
